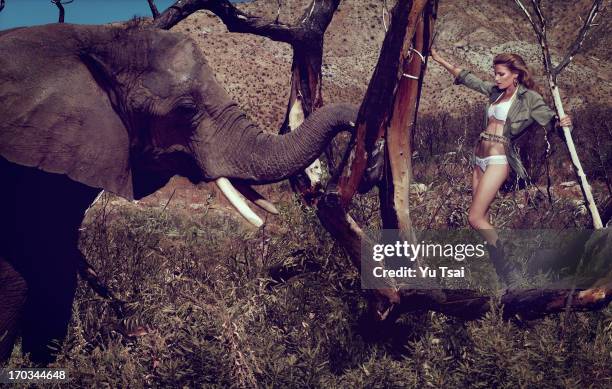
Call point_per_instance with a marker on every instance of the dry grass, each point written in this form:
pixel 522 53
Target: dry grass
pixel 203 309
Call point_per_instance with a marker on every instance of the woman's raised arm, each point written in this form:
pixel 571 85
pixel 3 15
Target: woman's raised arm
pixel 464 76
pixel 447 65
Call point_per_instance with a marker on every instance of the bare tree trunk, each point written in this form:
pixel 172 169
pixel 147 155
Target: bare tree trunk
pixel 387 112
pixel 382 97
pixel 61 11
pixel 539 27
pixel 60 5
pixel 153 7
pixel 306 83
pixel 399 132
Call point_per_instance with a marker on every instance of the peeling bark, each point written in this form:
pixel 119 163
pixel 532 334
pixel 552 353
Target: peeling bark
pixel 402 122
pixel 387 111
pixel 375 111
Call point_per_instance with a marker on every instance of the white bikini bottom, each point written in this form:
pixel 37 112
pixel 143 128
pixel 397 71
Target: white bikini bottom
pixel 490 160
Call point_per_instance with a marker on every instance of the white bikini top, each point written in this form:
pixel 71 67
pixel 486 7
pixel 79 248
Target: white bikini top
pixel 500 111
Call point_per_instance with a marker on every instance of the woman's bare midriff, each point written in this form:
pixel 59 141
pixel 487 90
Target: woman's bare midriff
pixel 485 148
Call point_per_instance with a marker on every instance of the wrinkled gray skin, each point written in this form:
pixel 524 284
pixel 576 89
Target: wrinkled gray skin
pixel 86 108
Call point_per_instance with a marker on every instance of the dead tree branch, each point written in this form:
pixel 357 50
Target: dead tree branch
pixel 577 44
pixel 526 304
pixel 154 9
pixel 306 34
pixel 552 72
pixel 89 275
pixel 60 6
pixel 232 17
pixel 1 5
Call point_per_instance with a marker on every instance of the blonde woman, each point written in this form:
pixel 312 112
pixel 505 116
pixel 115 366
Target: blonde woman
pixel 513 107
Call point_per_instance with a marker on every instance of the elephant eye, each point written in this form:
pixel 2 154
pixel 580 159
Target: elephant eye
pixel 185 110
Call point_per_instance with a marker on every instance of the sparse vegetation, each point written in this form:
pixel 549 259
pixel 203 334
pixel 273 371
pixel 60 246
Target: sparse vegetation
pixel 204 311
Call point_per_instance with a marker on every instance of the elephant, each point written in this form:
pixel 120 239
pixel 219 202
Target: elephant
pixel 87 108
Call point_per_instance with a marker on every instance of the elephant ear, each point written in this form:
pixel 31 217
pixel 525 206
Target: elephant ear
pixel 58 112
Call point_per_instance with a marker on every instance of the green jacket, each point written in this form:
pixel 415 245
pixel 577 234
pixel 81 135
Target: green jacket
pixel 528 107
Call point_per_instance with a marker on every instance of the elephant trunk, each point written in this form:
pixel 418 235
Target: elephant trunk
pixel 255 156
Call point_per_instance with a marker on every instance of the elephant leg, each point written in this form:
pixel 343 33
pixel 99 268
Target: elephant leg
pixel 13 291
pixel 49 306
pixel 41 213
pixel 51 274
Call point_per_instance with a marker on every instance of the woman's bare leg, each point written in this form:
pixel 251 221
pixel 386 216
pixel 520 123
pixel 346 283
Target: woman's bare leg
pixel 483 195
pixel 476 176
pixel 476 179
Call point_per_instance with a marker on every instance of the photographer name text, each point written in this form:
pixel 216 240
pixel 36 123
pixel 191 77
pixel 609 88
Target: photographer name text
pixel 421 271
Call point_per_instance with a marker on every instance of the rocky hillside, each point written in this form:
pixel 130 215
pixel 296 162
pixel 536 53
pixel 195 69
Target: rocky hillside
pixel 256 70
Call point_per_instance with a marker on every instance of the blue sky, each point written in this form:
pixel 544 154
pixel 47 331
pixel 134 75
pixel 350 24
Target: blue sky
pixel 32 12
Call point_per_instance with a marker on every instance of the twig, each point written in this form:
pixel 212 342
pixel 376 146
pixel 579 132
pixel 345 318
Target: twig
pixel 588 23
pixel 60 5
pixel 278 11
pixel 312 8
pixel 528 15
pixel 385 13
pixel 87 273
pixel 440 203
pixel 548 179
pixel 168 202
pixel 154 9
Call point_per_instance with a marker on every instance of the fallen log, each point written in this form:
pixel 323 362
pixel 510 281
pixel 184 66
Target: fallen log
pixel 527 304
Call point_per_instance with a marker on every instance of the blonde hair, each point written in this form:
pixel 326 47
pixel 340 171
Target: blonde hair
pixel 516 64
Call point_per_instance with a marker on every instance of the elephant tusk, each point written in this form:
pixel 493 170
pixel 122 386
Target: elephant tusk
pixel 93 202
pixel 252 195
pixel 238 202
